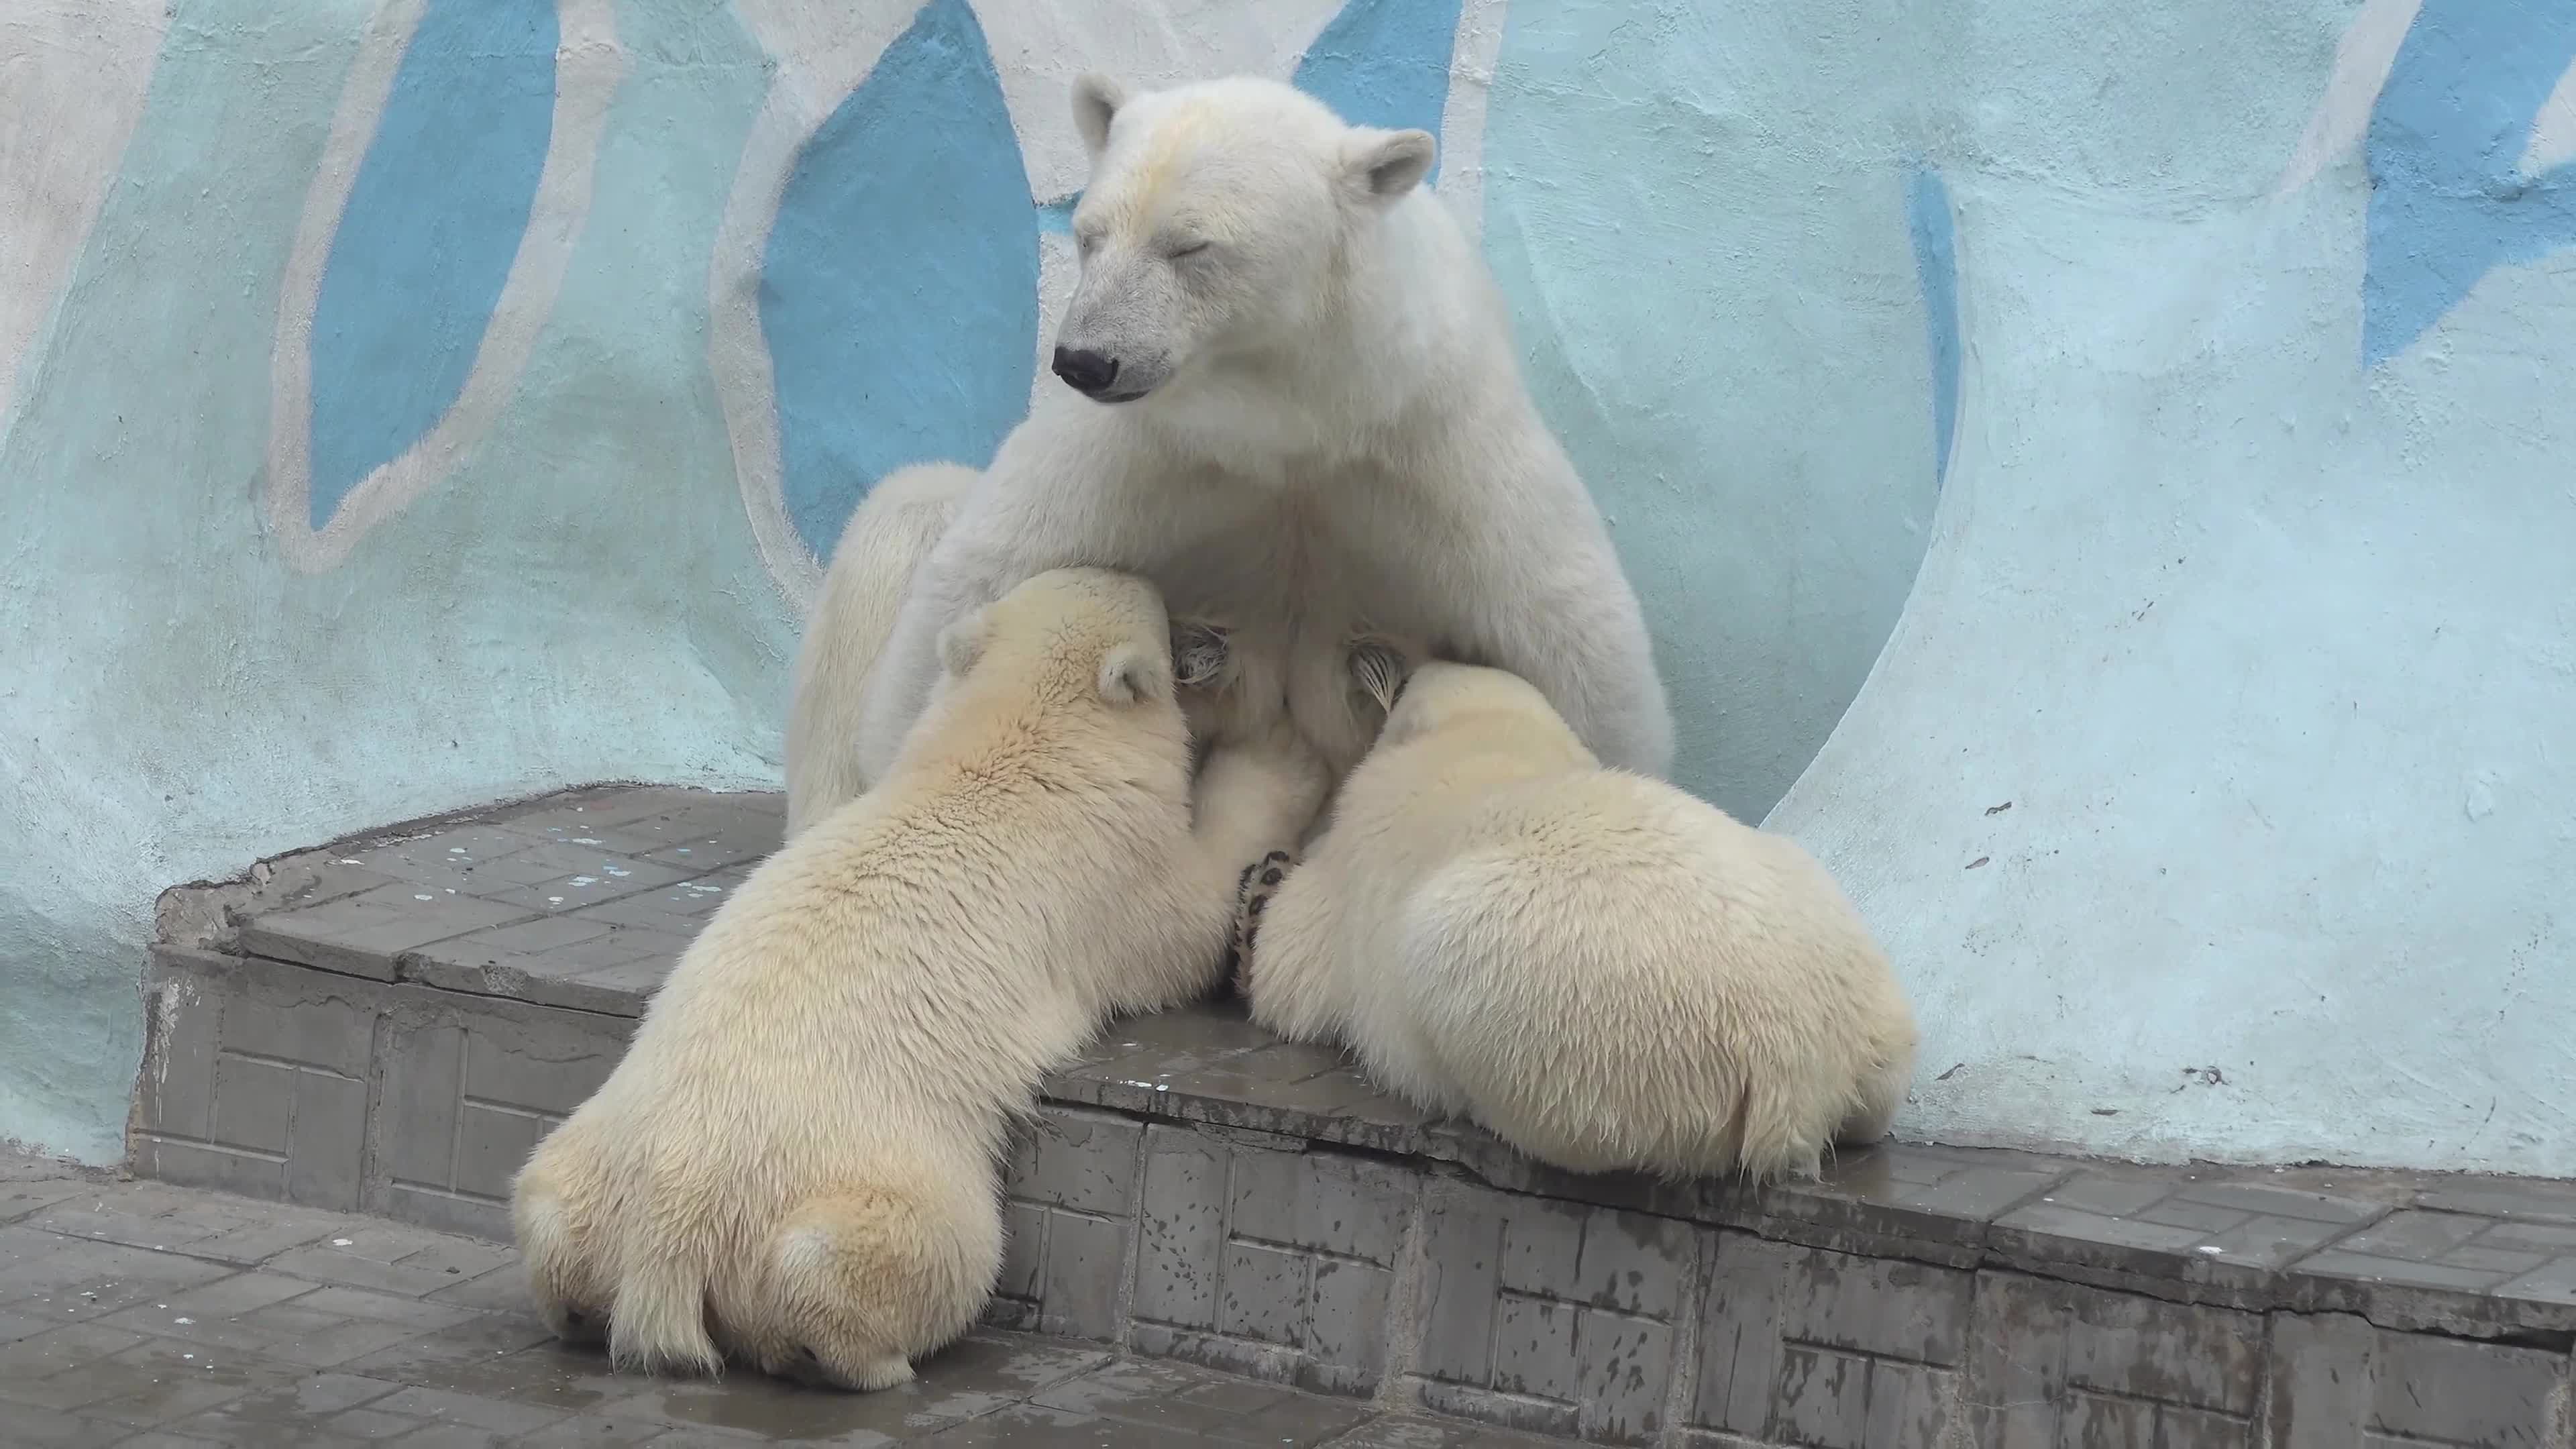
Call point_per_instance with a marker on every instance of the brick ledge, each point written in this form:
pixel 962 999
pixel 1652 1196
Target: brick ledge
pixel 388 1023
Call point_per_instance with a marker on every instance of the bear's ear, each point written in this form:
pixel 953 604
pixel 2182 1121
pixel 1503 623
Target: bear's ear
pixel 1132 673
pixel 1381 166
pixel 1096 99
pixel 962 643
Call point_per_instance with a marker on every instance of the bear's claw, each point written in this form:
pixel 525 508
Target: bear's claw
pixel 1253 890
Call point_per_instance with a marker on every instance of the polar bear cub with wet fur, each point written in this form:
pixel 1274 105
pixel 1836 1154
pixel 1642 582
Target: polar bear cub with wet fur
pixel 795 1165
pixel 1601 969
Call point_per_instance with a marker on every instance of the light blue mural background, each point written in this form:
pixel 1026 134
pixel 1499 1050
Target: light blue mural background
pixel 1819 297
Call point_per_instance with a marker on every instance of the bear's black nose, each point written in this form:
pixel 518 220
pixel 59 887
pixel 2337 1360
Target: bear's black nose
pixel 1086 371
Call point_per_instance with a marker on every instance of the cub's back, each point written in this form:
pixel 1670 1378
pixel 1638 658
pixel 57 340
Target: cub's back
pixel 915 930
pixel 1607 891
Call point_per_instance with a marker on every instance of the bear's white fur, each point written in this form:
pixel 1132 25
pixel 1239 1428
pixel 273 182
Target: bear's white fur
pixel 1601 969
pixel 863 590
pixel 796 1162
pixel 1317 427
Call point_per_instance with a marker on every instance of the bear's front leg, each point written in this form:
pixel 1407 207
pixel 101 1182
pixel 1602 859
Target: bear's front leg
pixel 1540 593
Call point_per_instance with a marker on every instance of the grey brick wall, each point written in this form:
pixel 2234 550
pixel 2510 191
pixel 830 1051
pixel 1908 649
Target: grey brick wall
pixel 1809 1346
pixel 339 1092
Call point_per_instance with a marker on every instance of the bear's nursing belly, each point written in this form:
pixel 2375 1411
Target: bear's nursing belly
pixel 1292 599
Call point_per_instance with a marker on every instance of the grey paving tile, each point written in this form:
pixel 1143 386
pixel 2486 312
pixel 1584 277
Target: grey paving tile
pixel 154 1382
pixel 293 1415
pixel 2421 1235
pixel 2552 1282
pixel 1035 1426
pixel 18 1164
pixel 2264 1241
pixel 457 859
pixel 23 1199
pixel 977 1375
pixel 620 990
pixel 504 1288
pixel 2286 1202
pixel 34 1428
pixel 2422 1250
pixel 2519 1200
pixel 596 811
pixel 476 1358
pixel 370 1426
pixel 2407 1272
pixel 2110 1192
pixel 1004 1367
pixel 1395 1432
pixel 364 935
pixel 315 876
pixel 15 1326
pixel 1118 1381
pixel 605 1431
pixel 1933 1197
pixel 22 1247
pixel 448 1436
pixel 91 1280
pixel 272 1229
pixel 446 1406
pixel 680 910
pixel 716 843
pixel 213 1316
pixel 140 1215
pixel 747 1402
pixel 431 1262
pixel 58 1350
pixel 561 898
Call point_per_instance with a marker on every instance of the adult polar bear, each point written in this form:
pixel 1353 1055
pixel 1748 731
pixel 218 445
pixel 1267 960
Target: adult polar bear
pixel 1301 417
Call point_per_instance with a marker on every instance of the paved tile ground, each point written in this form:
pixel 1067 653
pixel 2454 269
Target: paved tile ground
pixel 143 1316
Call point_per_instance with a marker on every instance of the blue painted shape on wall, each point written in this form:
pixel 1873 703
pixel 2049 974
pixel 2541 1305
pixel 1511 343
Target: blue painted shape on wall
pixel 1057 215
pixel 2447 204
pixel 428 235
pixel 899 294
pixel 1936 264
pixel 1385 63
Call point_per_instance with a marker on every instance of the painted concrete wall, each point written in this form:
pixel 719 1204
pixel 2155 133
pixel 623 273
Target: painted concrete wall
pixel 405 403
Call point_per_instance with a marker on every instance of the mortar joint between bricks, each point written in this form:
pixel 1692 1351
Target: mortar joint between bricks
pixel 1124 1294
pixel 1690 1298
pixel 1401 1328
pixel 2562 1412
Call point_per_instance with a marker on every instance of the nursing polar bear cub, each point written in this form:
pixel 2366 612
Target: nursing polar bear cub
pixel 1293 403
pixel 795 1163
pixel 1604 971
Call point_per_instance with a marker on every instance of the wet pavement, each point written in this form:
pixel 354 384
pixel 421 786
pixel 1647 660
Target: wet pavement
pixel 143 1316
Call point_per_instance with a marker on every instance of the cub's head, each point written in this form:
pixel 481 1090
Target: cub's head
pixel 1069 635
pixel 1217 220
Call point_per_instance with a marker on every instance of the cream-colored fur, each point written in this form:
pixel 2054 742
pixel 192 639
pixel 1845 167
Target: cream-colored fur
pixel 863 590
pixel 1317 426
pixel 795 1163
pixel 890 531
pixel 1604 971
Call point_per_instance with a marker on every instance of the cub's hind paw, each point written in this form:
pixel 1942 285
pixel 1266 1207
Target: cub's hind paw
pixel 1252 892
